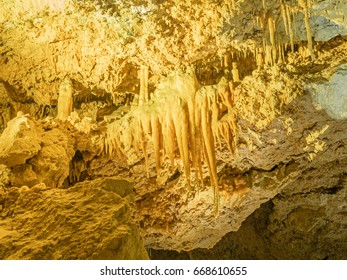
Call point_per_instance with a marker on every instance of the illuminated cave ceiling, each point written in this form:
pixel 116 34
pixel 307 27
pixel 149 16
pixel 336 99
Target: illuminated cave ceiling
pixel 209 109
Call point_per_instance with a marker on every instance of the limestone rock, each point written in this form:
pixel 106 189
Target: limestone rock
pixel 23 175
pixel 51 164
pixel 19 141
pixel 34 154
pixel 5 174
pixel 257 120
pixel 331 95
pixel 2 196
pixel 85 222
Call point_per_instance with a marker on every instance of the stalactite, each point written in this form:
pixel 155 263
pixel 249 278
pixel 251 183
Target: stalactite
pixel 304 5
pixel 268 55
pixel 279 48
pixel 144 73
pixel 145 127
pixel 224 90
pixel 180 121
pixel 235 73
pixel 140 142
pixel 272 30
pixel 260 58
pixel 209 148
pixel 145 154
pixel 283 54
pixel 169 136
pixel 112 142
pixel 290 26
pixel 65 100
pixel 226 61
pixel 198 141
pixel 271 23
pixel 156 135
pixel 228 130
pixel 284 17
pixel 177 124
pixel 214 111
pixel 185 143
pixel 192 132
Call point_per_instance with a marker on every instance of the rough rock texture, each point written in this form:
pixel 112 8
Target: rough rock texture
pixel 273 170
pixel 89 221
pixel 19 142
pixel 37 153
pixel 331 95
pixel 236 133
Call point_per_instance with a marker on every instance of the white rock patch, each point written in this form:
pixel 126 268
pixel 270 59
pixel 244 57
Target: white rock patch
pixel 332 96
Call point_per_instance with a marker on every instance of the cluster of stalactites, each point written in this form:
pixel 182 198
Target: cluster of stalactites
pixel 181 121
pixel 274 47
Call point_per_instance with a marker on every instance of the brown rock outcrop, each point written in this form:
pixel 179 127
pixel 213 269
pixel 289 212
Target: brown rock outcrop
pixel 19 142
pixel 89 221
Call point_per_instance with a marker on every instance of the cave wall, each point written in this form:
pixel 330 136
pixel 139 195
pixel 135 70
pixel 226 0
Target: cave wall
pixel 210 110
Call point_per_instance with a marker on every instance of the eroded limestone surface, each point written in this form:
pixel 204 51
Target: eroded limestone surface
pixel 173 125
pixel 89 221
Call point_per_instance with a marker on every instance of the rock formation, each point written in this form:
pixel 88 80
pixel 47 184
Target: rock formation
pixel 173 126
pixel 65 99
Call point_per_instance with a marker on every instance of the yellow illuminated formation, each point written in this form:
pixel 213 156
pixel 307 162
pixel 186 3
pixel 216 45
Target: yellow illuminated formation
pixel 182 121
